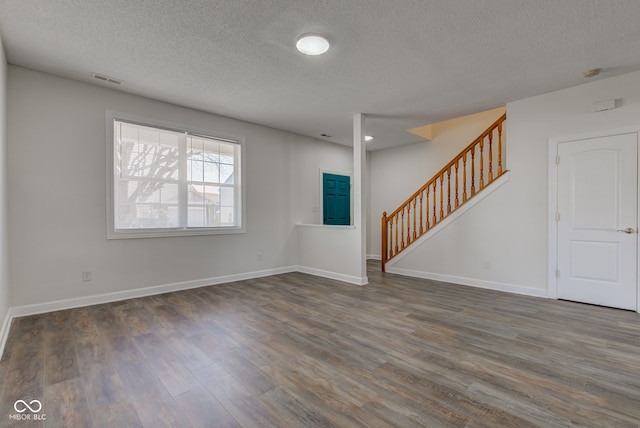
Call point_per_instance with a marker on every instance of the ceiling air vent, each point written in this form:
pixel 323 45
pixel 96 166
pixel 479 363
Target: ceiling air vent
pixel 106 78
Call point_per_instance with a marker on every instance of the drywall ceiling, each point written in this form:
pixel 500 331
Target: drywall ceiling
pixel 406 63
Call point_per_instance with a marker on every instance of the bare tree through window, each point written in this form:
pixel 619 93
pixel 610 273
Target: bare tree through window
pixel 154 167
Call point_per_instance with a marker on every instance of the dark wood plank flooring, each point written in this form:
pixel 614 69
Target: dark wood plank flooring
pixel 300 351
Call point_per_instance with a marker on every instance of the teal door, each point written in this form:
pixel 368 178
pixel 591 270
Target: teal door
pixel 336 199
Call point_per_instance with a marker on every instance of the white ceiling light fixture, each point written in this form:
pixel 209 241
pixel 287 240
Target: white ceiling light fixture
pixel 312 44
pixel 368 138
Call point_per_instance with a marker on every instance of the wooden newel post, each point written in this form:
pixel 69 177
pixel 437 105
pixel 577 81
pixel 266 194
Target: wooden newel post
pixel 383 250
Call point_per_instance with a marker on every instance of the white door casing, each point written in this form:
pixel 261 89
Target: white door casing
pixel 597 199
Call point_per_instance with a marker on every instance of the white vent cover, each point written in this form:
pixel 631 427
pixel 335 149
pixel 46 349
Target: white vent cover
pixel 106 78
pixel 604 105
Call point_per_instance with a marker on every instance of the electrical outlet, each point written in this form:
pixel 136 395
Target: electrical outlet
pixel 86 275
pixel 486 264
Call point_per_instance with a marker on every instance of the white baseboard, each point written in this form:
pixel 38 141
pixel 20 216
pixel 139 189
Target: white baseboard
pixel 58 305
pixel 479 283
pixel 334 275
pixel 26 310
pixel 374 257
pixel 39 308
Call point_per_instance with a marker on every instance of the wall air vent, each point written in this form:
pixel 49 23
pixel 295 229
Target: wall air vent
pixel 106 78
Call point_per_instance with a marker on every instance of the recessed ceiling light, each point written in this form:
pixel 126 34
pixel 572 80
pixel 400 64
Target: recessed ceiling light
pixel 592 73
pixel 368 138
pixel 312 44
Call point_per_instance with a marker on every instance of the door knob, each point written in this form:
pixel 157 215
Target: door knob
pixel 628 230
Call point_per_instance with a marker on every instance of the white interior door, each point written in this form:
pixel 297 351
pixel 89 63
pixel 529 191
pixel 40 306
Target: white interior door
pixel 597 227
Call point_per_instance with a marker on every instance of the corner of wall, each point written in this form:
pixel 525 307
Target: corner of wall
pixel 4 330
pixel 5 315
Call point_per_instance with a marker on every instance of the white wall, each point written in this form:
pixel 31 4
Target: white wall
pixel 309 158
pixel 57 195
pixel 4 258
pixel 330 251
pixel 509 228
pixel 396 173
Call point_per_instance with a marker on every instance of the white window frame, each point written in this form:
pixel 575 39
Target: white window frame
pixel 240 202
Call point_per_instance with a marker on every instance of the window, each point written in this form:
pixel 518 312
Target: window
pixel 167 181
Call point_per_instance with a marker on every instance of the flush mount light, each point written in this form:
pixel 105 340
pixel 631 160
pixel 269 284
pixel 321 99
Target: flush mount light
pixel 312 44
pixel 368 138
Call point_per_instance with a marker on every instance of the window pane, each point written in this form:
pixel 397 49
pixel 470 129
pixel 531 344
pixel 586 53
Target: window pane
pixel 195 143
pixel 195 215
pixel 211 172
pixel 226 216
pixel 211 161
pixel 196 171
pixel 227 203
pixel 151 189
pixel 146 204
pixel 147 152
pixel 227 152
pixel 203 206
pixel 124 152
pixel 226 173
pixel 194 149
pixel 211 148
pixel 203 216
pixel 128 132
pixel 196 155
pixel 200 194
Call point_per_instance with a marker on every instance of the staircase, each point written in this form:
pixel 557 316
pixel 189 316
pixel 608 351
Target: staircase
pixel 473 169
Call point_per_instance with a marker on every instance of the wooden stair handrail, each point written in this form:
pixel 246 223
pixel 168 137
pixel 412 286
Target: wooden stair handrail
pixel 450 164
pixel 415 230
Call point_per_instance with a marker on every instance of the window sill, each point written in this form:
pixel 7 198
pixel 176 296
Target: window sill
pixel 156 233
pixel 327 226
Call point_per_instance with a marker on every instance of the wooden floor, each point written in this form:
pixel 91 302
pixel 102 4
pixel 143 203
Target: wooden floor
pixel 298 351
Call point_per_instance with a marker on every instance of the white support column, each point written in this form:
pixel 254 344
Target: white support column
pixel 359 194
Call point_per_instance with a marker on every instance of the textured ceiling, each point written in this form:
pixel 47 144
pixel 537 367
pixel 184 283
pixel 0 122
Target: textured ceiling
pixel 406 63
